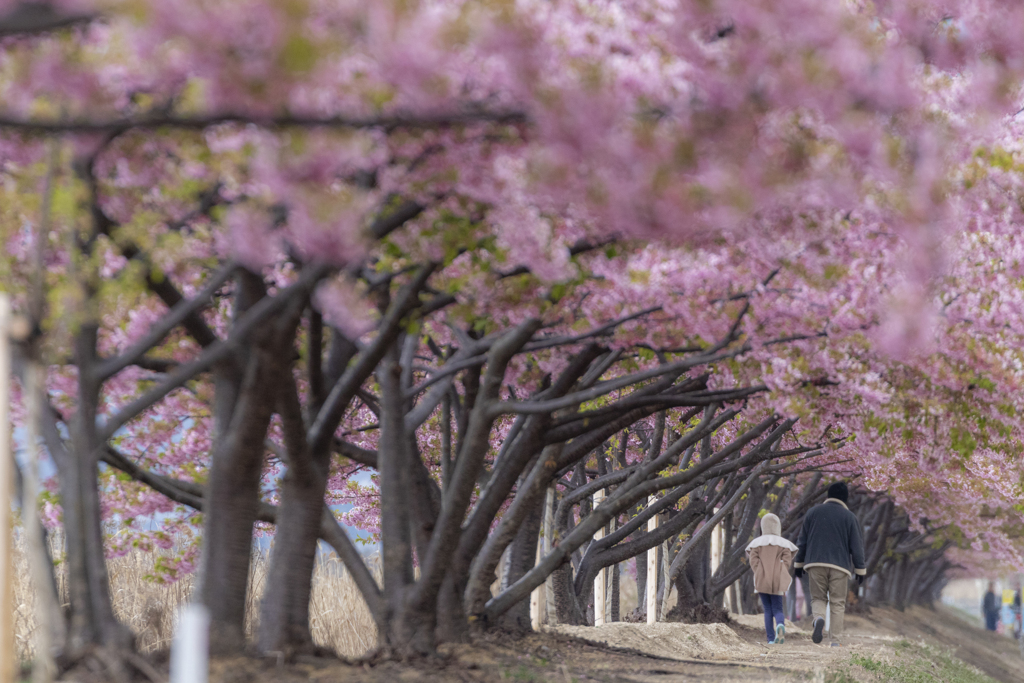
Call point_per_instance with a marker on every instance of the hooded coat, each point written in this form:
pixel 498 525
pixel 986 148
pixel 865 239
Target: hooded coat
pixel 770 556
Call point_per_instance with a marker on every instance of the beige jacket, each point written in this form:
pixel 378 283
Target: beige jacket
pixel 770 556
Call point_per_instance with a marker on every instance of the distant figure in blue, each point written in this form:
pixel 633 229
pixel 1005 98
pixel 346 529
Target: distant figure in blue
pixel 1018 616
pixel 990 607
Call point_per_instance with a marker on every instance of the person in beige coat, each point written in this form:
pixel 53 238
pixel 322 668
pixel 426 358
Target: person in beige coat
pixel 770 556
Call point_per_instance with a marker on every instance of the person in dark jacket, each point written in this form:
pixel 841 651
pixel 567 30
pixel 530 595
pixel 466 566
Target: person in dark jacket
pixel 1018 616
pixel 831 551
pixel 990 607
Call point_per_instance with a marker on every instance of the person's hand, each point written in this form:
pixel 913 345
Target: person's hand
pixel 798 572
pixel 860 579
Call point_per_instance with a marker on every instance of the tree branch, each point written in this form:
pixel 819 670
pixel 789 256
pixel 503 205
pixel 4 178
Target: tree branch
pixel 352 379
pixel 158 121
pixel 176 316
pixel 216 352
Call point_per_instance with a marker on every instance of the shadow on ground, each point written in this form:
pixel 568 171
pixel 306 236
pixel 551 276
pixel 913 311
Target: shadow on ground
pixel 917 645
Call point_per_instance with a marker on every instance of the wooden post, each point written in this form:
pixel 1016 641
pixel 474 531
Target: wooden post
pixel 8 666
pixel 652 571
pixel 600 583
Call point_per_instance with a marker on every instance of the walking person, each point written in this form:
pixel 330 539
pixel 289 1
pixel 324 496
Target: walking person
pixel 990 607
pixel 831 550
pixel 1015 609
pixel 770 556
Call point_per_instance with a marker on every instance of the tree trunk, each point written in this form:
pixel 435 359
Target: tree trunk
pixel 615 615
pixel 411 629
pixel 694 604
pixel 452 625
pixel 641 584
pixel 894 581
pixel 522 557
pixel 567 607
pixel 92 614
pixel 233 496
pixel 284 613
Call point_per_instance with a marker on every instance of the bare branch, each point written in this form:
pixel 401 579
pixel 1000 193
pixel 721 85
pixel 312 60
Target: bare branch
pixel 158 121
pixel 352 379
pixel 216 352
pixel 37 18
pixel 605 329
pixel 611 385
pixel 166 324
pixel 354 452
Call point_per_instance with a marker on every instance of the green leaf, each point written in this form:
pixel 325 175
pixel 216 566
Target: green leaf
pixel 299 54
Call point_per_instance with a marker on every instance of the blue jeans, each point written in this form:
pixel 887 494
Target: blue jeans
pixel 772 611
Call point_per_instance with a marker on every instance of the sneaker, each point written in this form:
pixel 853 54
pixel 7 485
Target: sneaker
pixel 771 642
pixel 780 634
pixel 819 628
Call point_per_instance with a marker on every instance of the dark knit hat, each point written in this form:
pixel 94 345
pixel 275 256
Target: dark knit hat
pixel 839 491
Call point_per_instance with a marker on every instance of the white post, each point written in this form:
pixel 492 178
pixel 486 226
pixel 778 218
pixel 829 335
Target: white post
pixel 49 633
pixel 550 615
pixel 652 570
pixel 600 583
pixel 7 664
pixel 717 541
pixel 609 575
pixel 190 650
pixel 503 567
pixel 666 567
pixel 537 597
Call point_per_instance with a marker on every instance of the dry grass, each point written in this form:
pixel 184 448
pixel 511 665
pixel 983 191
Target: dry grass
pixel 338 615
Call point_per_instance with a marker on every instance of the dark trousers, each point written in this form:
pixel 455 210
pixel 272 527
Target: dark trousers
pixel 991 619
pixel 772 605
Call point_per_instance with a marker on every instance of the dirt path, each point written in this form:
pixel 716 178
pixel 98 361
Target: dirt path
pixel 738 652
pixel 918 645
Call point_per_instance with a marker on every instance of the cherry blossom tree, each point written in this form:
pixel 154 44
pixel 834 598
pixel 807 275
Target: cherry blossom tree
pixel 465 246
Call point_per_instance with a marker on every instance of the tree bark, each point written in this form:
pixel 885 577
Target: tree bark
pixel 692 584
pixel 232 505
pixel 641 584
pixel 522 556
pixel 92 614
pixel 615 611
pixel 284 613
pixel 410 626
pixel 284 622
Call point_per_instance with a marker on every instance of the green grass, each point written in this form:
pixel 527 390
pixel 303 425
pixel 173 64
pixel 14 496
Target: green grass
pixel 839 676
pixel 520 673
pixel 911 664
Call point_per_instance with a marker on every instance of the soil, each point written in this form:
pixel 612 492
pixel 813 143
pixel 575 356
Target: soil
pixel 700 614
pixel 658 653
